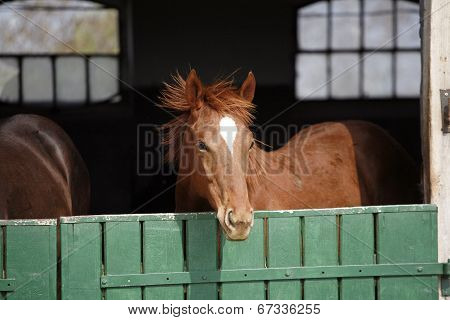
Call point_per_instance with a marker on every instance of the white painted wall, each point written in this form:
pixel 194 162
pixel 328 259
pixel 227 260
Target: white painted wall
pixel 436 145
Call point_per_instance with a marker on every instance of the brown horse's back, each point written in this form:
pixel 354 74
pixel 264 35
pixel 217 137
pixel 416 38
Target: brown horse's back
pixel 350 163
pixel 386 172
pixel 42 175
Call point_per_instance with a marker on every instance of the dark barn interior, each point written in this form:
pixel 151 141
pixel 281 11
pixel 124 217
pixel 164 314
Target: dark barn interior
pixel 156 39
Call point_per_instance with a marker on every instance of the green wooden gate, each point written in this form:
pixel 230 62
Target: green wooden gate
pixel 28 259
pixel 350 253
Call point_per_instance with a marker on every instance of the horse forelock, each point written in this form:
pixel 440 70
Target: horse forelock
pixel 221 96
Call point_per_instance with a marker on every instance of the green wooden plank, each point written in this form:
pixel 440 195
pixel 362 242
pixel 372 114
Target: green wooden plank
pixel 357 248
pixel 2 294
pixel 244 254
pixel 163 252
pixel 81 261
pixel 123 256
pixel 407 238
pixel 284 243
pixel 257 214
pixel 320 249
pixel 29 222
pixel 31 260
pixel 201 255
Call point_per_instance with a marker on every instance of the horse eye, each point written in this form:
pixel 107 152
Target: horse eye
pixel 252 144
pixel 202 146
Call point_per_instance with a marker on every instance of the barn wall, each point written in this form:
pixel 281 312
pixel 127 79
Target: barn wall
pixel 436 76
pixel 232 34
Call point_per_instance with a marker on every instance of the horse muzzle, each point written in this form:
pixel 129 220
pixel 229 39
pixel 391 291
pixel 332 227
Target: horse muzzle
pixel 238 226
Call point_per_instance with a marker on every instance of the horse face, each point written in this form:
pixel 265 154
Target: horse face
pixel 221 148
pixel 221 145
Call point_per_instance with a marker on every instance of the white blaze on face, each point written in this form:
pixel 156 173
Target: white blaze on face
pixel 228 131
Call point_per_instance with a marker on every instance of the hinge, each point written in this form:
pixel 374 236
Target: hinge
pixel 445 112
pixel 445 280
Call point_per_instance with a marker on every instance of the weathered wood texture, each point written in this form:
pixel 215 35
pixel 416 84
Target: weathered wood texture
pixel 201 254
pixel 401 239
pixel 29 256
pixel 436 144
pixel 357 248
pixel 81 261
pixel 244 255
pixel 282 253
pixel 138 244
pixel 163 252
pixel 96 251
pixel 122 255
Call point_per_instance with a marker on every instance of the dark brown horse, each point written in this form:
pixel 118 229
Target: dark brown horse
pixel 333 164
pixel 42 175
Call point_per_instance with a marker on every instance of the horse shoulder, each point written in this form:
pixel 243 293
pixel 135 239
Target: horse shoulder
pixel 325 165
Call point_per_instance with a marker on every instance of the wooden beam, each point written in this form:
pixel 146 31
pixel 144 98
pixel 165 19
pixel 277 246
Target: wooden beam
pixel 436 144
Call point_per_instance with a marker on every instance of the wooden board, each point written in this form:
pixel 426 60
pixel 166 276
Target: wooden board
pixel 407 238
pixel 163 252
pixel 284 250
pixel 241 255
pixel 357 247
pixel 2 294
pixel 81 261
pixel 201 254
pixel 320 249
pixel 31 260
pixel 133 244
pixel 123 256
pixel 435 143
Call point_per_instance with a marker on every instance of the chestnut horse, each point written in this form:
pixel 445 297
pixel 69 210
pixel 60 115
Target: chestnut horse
pixel 42 175
pixel 220 167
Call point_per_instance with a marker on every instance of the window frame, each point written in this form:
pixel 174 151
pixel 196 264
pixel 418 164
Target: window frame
pixel 86 57
pixel 361 51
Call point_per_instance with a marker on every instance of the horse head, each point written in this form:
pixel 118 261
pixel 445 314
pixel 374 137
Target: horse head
pixel 214 148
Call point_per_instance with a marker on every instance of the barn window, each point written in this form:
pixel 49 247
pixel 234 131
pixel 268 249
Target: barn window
pixel 358 49
pixel 58 53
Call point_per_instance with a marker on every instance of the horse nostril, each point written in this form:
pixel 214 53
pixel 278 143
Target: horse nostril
pixel 229 218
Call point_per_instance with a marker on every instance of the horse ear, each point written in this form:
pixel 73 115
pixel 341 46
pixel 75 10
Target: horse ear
pixel 247 90
pixel 193 88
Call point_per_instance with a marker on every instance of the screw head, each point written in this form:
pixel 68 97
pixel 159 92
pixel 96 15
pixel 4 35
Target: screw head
pixel 419 269
pixel 287 274
pixel 204 277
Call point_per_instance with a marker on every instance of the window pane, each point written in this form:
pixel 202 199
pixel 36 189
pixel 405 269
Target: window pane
pixel 9 80
pixel 408 68
pixel 103 78
pixel 345 24
pixel 344 75
pixel 71 26
pixel 312 26
pixel 311 74
pixel 37 80
pixel 378 24
pixel 408 25
pixel 70 80
pixel 378 75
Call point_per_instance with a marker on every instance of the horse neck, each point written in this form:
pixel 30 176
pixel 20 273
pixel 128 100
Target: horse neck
pixel 187 198
pixel 278 162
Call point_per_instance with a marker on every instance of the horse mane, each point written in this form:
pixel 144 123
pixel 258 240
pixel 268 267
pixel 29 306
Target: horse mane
pixel 224 98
